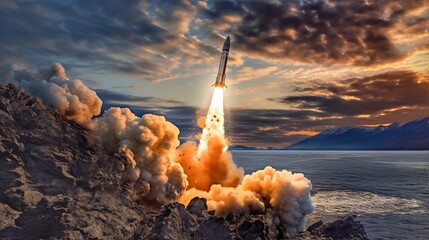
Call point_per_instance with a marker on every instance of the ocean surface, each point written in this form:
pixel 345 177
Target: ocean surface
pixel 388 190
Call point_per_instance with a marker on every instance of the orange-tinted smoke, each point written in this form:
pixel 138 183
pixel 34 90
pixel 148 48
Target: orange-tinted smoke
pixel 209 163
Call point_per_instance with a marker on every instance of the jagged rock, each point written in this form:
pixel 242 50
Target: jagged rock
pixel 347 228
pixel 252 230
pixel 213 228
pixel 174 222
pixel 8 216
pixel 314 226
pixel 197 206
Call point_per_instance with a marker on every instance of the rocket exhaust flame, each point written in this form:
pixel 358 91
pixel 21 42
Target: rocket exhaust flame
pixel 209 163
pixel 214 126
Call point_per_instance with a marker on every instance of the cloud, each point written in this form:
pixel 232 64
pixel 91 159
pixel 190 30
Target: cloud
pixel 369 95
pixel 110 97
pixel 271 127
pixel 127 38
pixel 322 32
pixel 276 127
pixel 164 40
pixel 250 73
pixel 174 15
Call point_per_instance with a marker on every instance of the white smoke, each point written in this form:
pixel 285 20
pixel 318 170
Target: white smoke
pixel 285 193
pixel 73 100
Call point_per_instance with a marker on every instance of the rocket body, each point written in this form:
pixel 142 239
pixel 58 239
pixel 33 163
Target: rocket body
pixel 220 78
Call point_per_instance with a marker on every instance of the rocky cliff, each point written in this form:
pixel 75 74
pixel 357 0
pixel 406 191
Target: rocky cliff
pixel 51 187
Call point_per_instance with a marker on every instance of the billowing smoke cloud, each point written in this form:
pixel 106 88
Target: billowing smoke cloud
pixel 146 147
pixel 213 166
pixel 71 98
pixel 376 94
pixel 287 194
pixel 283 197
pixel 141 156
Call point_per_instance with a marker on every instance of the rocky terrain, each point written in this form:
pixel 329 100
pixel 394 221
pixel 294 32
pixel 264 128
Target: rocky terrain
pixel 174 221
pixel 51 187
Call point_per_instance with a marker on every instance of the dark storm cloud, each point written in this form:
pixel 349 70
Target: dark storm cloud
pixel 369 95
pixel 154 40
pixel 135 37
pixel 319 31
pixel 110 97
pixel 270 126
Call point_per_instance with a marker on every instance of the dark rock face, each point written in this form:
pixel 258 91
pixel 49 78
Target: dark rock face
pixel 253 229
pixel 197 206
pixel 46 168
pixel 213 228
pixel 346 228
pixel 51 187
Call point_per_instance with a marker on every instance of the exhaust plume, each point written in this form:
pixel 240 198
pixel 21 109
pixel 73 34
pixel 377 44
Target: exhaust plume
pixel 209 163
pixel 283 197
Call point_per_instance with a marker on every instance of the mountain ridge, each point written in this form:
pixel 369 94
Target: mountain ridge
pixel 413 135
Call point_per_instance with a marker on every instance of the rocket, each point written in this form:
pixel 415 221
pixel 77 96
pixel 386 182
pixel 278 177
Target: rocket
pixel 220 79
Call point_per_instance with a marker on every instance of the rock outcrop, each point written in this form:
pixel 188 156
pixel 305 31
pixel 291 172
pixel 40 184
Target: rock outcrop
pixel 46 178
pixel 347 228
pixel 50 188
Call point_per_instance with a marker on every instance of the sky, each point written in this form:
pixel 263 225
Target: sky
pixel 296 67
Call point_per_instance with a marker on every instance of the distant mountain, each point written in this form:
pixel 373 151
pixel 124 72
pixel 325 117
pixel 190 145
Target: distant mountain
pixel 413 135
pixel 242 147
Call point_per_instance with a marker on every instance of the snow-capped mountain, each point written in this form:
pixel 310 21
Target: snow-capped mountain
pixel 412 135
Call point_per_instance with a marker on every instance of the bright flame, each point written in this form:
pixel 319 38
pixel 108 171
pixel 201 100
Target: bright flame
pixel 214 121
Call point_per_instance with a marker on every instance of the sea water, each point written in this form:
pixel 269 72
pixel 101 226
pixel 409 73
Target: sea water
pixel 388 190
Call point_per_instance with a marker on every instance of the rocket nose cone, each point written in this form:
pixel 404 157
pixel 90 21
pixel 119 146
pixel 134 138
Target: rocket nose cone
pixel 226 44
